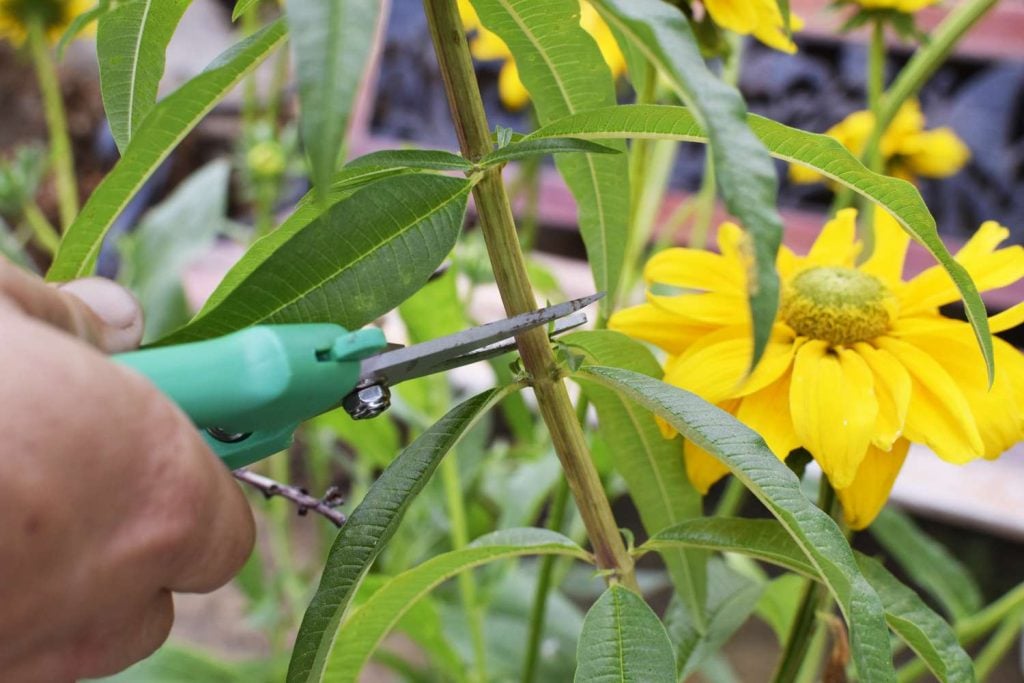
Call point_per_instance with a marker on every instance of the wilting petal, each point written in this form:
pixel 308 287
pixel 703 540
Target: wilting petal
pixel 767 413
pixel 696 269
pixel 702 468
pixel 892 389
pixel 834 408
pixel 865 497
pixel 657 326
pixel 837 244
pixel 939 415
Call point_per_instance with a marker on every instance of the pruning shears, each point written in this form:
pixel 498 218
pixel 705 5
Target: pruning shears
pixel 248 391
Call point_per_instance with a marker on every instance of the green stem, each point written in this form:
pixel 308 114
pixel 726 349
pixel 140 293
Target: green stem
pixel 732 500
pixel 802 632
pixel 61 158
pixel 556 518
pixel 998 645
pixel 704 205
pixel 45 234
pixel 467 583
pixel 509 266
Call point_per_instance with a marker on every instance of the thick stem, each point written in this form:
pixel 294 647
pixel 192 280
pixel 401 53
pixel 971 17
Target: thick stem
pixel 509 266
pixel 56 121
pixel 802 632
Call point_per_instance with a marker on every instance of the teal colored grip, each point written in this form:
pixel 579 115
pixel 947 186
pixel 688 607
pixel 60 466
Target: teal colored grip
pixel 263 381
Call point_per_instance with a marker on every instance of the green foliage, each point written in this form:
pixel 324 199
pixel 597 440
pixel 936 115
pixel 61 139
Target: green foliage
pixel 331 42
pixel 434 159
pixel 403 226
pixel 369 528
pixel 623 641
pixel 562 68
pixel 743 170
pixel 527 149
pixel 241 7
pixel 157 136
pixel 131 41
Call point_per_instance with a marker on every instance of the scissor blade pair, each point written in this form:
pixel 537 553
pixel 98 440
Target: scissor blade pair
pixel 461 348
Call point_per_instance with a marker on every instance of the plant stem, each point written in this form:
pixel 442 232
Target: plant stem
pixel 556 518
pixel 45 234
pixel 998 645
pixel 732 499
pixel 872 152
pixel 467 584
pixel 56 121
pixel 509 266
pixel 802 632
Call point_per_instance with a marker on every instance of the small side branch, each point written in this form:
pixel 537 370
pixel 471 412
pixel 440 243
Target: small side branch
pixel 326 506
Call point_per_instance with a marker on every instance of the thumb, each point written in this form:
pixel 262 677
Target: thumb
pixel 98 311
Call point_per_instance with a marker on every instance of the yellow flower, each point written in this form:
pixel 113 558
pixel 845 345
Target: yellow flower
pixel 759 18
pixel 488 46
pixel 860 362
pixel 908 150
pixel 54 15
pixel 907 6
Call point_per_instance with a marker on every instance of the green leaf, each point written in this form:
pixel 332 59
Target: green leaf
pixel 562 68
pixel 623 641
pixel 778 604
pixel 928 563
pixel 651 465
pixel 131 43
pixel 78 25
pixel 168 239
pixel 784 10
pixel 731 599
pixel 12 248
pixel 745 174
pixel 161 131
pixel 331 42
pixel 364 629
pixel 373 441
pixel 360 259
pixel 433 159
pixel 368 530
pixel 752 462
pixel 178 663
pixel 820 152
pixel 525 149
pixel 241 7
pixel 909 617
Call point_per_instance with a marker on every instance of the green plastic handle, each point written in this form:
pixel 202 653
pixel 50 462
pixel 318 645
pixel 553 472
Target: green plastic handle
pixel 261 382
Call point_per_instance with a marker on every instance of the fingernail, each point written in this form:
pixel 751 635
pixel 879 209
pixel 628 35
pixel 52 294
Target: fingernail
pixel 113 304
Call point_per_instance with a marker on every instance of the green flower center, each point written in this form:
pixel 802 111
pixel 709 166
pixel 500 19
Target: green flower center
pixel 837 305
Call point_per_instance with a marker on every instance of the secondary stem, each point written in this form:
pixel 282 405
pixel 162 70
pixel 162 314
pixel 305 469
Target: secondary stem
pixel 56 121
pixel 509 266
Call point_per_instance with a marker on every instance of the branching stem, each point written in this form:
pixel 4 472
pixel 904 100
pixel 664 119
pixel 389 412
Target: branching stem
pixel 326 506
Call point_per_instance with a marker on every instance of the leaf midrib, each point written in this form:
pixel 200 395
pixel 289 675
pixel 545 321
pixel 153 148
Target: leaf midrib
pixel 135 69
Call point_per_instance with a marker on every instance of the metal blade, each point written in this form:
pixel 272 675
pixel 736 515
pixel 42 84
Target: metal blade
pixel 462 348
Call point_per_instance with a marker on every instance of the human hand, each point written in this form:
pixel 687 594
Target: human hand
pixel 109 499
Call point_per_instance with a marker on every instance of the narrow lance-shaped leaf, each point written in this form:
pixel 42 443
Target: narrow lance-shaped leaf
pixel 131 43
pixel 525 149
pixel 623 641
pixel 909 617
pixel 749 459
pixel 241 7
pixel 562 68
pixel 820 152
pixel 368 530
pixel 360 259
pixel 745 174
pixel 651 465
pixel 433 159
pixel 165 126
pixel 363 631
pixel 78 24
pixel 331 42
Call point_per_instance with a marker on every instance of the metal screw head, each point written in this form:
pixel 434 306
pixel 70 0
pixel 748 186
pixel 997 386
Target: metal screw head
pixel 366 402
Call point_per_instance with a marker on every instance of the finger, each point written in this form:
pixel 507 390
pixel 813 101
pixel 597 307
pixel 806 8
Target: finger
pixel 95 310
pixel 109 649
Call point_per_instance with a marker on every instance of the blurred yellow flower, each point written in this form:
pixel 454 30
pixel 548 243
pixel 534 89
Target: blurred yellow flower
pixel 907 6
pixel 488 46
pixel 54 15
pixel 759 18
pixel 860 362
pixel 908 150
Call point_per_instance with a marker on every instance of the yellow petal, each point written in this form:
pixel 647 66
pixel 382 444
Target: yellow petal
pixel 652 324
pixel 702 468
pixel 837 244
pixel 470 19
pixel 892 390
pixel 767 413
pixel 704 309
pixel 804 175
pixel 936 153
pixel 891 242
pixel 834 408
pixel 898 138
pixel 695 269
pixel 487 46
pixel 739 16
pixel 1008 319
pixel 865 497
pixel 511 90
pixel 939 415
pixel 714 368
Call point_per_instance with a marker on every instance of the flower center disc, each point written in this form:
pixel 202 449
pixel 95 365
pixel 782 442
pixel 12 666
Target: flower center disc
pixel 837 305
